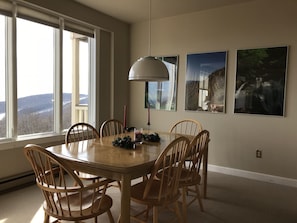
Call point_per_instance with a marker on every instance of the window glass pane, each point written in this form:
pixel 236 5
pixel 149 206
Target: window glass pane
pixel 2 78
pixel 75 78
pixel 83 72
pixel 35 68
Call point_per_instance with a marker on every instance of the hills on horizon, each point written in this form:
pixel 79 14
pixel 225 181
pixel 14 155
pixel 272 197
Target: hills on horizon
pixel 41 103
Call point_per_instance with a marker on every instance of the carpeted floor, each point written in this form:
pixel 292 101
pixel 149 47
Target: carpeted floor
pixel 230 200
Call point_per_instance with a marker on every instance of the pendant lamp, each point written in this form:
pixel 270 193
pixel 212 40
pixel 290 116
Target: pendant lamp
pixel 149 68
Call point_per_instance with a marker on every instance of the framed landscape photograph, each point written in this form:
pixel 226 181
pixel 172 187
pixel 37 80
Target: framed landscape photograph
pixel 162 95
pixel 261 81
pixel 206 82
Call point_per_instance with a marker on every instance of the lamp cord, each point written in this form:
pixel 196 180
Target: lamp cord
pixel 149 46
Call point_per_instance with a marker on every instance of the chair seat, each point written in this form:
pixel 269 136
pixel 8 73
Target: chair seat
pixel 189 178
pixel 137 192
pixel 87 176
pixel 90 205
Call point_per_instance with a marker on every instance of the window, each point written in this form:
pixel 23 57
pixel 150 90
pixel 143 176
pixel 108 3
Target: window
pixel 48 60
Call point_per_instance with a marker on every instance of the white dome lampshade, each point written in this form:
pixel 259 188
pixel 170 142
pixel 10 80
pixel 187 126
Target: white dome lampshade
pixel 148 69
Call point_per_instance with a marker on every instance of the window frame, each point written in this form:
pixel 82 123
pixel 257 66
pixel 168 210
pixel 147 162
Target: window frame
pixel 12 139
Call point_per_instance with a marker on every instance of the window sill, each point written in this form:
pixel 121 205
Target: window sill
pixel 42 140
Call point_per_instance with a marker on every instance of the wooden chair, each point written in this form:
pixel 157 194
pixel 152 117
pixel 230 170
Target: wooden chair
pixel 78 132
pixel 190 175
pixel 161 189
pixel 187 127
pixel 111 127
pixel 64 201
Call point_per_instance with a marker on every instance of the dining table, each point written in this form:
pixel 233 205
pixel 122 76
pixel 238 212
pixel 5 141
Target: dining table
pixel 100 157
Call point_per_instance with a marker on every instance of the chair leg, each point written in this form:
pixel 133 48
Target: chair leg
pixel 155 214
pixel 111 220
pixel 184 203
pixel 180 217
pixel 46 218
pixel 119 184
pixel 147 212
pixel 119 219
pixel 199 197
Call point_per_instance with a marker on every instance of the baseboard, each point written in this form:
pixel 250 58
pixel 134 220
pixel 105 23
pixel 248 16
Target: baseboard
pixel 254 175
pixel 15 182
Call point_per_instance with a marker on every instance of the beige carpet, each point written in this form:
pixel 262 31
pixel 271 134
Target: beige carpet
pixel 230 200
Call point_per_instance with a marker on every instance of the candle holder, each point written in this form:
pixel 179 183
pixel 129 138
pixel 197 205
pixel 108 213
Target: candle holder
pixel 148 116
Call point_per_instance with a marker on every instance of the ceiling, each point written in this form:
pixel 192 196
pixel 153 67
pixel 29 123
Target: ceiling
pixel 133 11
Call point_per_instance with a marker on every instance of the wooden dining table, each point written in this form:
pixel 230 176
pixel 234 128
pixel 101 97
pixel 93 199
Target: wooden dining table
pixel 100 157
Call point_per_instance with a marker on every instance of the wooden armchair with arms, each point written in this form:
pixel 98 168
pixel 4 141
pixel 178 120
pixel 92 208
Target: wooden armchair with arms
pixel 64 201
pixel 161 189
pixel 191 128
pixel 190 174
pixel 78 132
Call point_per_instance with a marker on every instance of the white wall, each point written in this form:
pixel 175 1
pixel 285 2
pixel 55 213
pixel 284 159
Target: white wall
pixel 234 137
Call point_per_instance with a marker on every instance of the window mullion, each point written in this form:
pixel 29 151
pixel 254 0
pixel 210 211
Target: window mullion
pixel 11 76
pixel 58 86
pixel 92 84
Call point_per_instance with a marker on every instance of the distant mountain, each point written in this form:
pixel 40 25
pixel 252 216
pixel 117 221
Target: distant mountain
pixel 41 103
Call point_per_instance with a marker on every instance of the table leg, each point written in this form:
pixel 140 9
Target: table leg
pixel 125 199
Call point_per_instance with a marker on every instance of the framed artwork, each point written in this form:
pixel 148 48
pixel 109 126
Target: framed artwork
pixel 206 81
pixel 162 95
pixel 261 80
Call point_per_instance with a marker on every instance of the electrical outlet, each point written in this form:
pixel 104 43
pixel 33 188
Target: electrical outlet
pixel 259 153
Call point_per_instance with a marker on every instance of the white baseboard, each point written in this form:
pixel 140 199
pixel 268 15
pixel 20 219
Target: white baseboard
pixel 254 175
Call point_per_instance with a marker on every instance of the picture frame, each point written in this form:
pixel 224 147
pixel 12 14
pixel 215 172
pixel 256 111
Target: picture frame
pixel 163 95
pixel 261 81
pixel 206 82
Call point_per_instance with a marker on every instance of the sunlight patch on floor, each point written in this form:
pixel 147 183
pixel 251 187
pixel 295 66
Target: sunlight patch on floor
pixel 39 216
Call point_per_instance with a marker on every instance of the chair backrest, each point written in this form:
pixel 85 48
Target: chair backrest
pixel 197 148
pixel 56 179
pixel 48 167
pixel 50 173
pixel 111 127
pixel 81 131
pixel 187 127
pixel 167 169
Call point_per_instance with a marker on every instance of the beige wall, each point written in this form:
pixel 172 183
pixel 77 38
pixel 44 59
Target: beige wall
pixel 12 161
pixel 234 137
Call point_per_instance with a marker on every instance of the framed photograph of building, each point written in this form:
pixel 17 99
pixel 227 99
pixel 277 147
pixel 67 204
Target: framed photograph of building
pixel 206 81
pixel 162 95
pixel 261 81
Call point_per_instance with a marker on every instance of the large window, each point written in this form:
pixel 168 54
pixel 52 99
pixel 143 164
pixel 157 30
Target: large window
pixel 44 74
